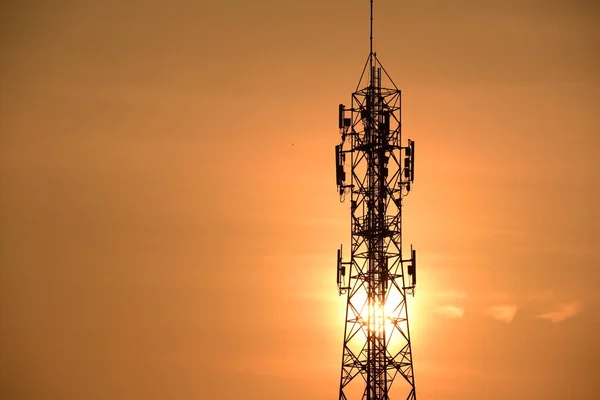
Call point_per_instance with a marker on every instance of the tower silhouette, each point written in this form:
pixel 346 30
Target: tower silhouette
pixel 376 279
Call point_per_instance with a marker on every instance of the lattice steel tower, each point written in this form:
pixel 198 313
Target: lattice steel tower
pixel 376 279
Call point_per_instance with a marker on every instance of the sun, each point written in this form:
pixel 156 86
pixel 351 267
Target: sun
pixel 382 318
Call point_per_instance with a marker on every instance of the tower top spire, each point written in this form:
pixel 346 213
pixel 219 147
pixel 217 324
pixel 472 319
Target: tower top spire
pixel 371 31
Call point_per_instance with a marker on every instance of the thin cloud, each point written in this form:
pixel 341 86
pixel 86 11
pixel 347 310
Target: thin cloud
pixel 452 312
pixel 505 313
pixel 566 311
pixel 542 296
pixel 502 296
pixel 453 294
pixel 317 295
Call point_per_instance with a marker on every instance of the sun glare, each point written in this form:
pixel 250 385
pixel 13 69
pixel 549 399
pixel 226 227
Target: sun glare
pixel 378 317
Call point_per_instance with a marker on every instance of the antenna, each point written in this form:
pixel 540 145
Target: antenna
pixel 371 31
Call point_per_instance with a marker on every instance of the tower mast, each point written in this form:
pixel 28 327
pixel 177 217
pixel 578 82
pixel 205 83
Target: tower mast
pixel 376 279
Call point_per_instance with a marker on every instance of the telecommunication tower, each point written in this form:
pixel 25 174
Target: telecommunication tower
pixel 376 279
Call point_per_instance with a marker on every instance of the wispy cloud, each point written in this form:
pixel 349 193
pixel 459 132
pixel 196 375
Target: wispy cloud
pixel 450 311
pixel 565 311
pixel 544 295
pixel 505 313
pixel 453 294
pixel 511 297
pixel 501 296
pixel 317 295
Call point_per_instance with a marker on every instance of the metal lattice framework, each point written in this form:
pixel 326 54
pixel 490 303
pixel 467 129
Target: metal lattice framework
pixel 377 346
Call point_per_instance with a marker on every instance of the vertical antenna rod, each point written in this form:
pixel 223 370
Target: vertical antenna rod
pixel 371 31
pixel 376 279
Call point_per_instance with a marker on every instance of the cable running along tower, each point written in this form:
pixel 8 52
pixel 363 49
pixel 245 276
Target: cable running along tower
pixel 376 279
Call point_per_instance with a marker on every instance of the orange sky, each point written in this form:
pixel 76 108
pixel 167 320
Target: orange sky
pixel 169 217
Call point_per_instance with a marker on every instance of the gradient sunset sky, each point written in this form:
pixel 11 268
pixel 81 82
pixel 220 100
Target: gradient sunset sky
pixel 169 218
